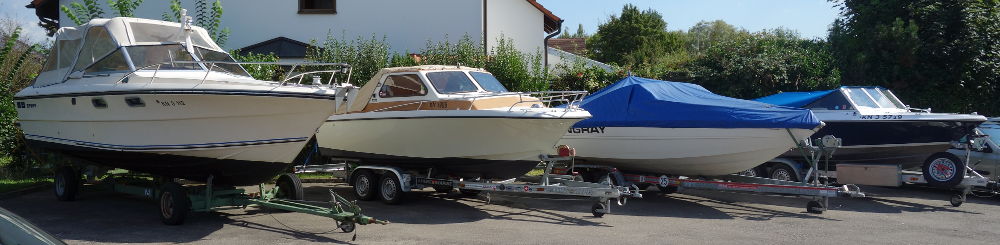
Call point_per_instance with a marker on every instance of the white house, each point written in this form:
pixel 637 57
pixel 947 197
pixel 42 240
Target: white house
pixel 286 26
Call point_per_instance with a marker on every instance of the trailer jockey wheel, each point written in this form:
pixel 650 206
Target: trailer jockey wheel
pixel 363 181
pixel 289 187
pixel 174 203
pixel 598 209
pixel 815 207
pixel 346 227
pixel 67 183
pixel 957 200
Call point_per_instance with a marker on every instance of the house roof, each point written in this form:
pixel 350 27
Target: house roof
pixel 552 22
pixel 282 47
pixel 577 46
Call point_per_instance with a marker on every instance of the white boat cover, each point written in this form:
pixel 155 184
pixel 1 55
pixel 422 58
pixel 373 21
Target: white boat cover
pixel 77 47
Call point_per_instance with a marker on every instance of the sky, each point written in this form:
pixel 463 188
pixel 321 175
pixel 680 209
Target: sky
pixel 811 18
pixel 15 10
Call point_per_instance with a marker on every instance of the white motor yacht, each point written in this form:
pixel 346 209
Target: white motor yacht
pixel 455 121
pixel 163 98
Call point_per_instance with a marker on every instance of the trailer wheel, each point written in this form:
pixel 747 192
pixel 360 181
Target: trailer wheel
pixel 815 207
pixel 346 227
pixel 783 172
pixel 598 209
pixel 390 189
pixel 943 170
pixel 752 172
pixel 174 203
pixel 290 187
pixel 957 200
pixel 67 183
pixel 364 185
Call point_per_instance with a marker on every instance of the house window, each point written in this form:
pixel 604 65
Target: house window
pixel 317 6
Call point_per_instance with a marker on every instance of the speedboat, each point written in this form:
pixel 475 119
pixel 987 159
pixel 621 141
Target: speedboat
pixel 876 127
pixel 452 120
pixel 162 98
pixel 659 127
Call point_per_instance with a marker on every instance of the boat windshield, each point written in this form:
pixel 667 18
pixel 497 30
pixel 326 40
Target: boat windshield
pixel 874 98
pixel 143 56
pixel 450 82
pixel 991 129
pixel 488 82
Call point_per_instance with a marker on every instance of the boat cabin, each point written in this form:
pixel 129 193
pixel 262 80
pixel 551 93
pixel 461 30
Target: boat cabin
pixel 117 46
pixel 434 87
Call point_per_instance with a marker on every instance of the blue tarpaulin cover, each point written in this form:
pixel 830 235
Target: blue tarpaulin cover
pixel 794 99
pixel 642 102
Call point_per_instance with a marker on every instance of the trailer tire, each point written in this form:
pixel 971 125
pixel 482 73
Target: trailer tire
pixel 943 170
pixel 783 172
pixel 390 190
pixel 174 203
pixel 598 209
pixel 289 187
pixel 363 181
pixel 815 207
pixel 957 200
pixel 67 183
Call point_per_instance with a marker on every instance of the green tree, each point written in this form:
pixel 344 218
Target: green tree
pixel 941 54
pixel 634 37
pixel 580 33
pixel 764 63
pixel 125 8
pixel 16 69
pixel 706 34
pixel 81 13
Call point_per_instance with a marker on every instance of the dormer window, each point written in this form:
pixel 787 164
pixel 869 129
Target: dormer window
pixel 317 6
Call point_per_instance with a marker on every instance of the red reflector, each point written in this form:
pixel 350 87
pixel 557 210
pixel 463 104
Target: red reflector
pixel 565 151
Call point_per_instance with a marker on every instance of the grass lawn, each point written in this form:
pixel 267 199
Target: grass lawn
pixel 13 185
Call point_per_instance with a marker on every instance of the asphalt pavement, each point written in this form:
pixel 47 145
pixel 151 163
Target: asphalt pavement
pixel 908 215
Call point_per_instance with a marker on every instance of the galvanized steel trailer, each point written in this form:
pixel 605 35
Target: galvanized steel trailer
pixel 393 182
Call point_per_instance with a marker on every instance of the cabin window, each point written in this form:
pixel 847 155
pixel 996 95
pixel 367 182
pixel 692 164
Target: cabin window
pixel 143 56
pixel 115 62
pixel 317 6
pixel 99 103
pixel 447 82
pixel 402 86
pixel 67 52
pixel 488 82
pixel 97 45
pixel 860 98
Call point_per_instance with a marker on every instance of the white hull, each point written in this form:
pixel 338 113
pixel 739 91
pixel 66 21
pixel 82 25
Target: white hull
pixel 448 139
pixel 682 151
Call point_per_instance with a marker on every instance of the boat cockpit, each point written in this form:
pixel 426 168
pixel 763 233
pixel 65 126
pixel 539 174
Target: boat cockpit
pixel 873 99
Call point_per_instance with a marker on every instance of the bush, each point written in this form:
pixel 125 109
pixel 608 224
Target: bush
pixel 19 64
pixel 259 72
pixel 517 71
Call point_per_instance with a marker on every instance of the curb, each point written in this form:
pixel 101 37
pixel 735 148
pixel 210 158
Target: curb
pixel 26 190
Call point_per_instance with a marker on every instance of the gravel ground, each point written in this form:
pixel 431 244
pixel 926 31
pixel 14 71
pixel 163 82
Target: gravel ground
pixel 909 215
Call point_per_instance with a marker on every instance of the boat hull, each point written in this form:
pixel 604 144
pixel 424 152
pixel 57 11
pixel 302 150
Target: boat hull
pixel 485 144
pixel 681 151
pixel 240 139
pixel 907 143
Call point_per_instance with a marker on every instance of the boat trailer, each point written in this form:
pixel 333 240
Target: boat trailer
pixel 549 183
pixel 813 150
pixel 177 200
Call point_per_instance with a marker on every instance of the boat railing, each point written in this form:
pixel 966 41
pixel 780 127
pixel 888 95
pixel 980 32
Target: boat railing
pixel 289 76
pixel 570 99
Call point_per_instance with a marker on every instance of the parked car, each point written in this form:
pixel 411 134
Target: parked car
pixel 17 230
pixel 944 168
